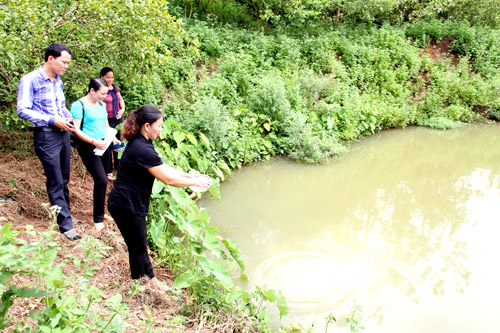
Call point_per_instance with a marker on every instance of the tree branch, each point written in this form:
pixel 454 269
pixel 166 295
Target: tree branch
pixel 58 23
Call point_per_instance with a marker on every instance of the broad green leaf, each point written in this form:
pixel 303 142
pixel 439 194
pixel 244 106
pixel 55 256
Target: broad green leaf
pixel 219 173
pixel 179 136
pixel 5 276
pixel 221 164
pixel 183 280
pixel 166 130
pixel 157 234
pixel 114 300
pixel 55 320
pixel 55 277
pixel 233 295
pixel 211 242
pixel 246 296
pixel 270 295
pixel 203 165
pixel 48 256
pixel 158 186
pixel 282 305
pixel 234 251
pixel 30 292
pixel 216 269
pixel 215 190
pixel 192 139
pixel 204 139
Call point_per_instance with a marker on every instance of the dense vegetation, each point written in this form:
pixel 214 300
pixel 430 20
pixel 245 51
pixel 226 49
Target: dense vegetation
pixel 240 81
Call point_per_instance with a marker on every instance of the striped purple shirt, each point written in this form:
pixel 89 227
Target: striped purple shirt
pixel 40 100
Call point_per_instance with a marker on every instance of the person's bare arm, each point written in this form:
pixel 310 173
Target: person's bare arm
pixel 174 177
pixel 122 107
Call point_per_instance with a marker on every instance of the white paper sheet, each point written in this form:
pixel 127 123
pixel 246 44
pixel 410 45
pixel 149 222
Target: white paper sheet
pixel 110 134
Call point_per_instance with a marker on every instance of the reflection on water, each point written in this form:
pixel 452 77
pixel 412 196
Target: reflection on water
pixel 405 224
pixel 299 273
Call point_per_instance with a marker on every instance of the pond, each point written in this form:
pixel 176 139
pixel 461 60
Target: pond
pixel 405 225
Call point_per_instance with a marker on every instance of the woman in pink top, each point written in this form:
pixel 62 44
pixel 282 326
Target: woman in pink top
pixel 115 107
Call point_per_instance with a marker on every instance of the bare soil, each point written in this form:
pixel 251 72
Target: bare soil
pixel 436 51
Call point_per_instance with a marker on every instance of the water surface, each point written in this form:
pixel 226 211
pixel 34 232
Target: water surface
pixel 406 225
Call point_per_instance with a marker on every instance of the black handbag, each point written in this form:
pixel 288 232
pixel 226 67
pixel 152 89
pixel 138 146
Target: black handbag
pixel 73 140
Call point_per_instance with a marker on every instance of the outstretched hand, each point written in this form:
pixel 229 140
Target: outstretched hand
pixel 202 181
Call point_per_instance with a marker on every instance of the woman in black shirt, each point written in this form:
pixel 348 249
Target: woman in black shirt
pixel 140 164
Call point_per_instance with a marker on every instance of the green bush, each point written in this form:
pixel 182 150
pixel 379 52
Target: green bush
pixel 460 89
pixel 269 98
pixel 440 123
pixel 137 48
pixel 143 89
pixel 209 116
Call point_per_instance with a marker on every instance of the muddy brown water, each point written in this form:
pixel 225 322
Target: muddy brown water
pixel 406 225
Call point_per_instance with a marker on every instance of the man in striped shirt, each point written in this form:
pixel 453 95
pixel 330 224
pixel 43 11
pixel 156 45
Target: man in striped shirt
pixel 40 100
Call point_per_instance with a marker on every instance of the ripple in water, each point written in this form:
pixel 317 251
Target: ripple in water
pixel 310 281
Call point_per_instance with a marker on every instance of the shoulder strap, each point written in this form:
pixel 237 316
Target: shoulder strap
pixel 83 115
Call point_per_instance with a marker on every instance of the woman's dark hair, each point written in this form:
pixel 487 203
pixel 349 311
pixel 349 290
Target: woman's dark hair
pixel 105 70
pixel 146 114
pixel 96 84
pixel 55 50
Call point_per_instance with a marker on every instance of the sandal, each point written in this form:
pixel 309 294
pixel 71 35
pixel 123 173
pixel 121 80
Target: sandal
pixel 99 226
pixel 72 235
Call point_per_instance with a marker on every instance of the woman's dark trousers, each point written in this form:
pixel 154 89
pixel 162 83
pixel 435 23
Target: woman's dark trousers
pixel 95 166
pixel 134 232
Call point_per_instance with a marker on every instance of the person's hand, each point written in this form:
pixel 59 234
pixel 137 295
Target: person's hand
pixel 120 114
pixel 65 124
pixel 100 144
pixel 117 142
pixel 203 181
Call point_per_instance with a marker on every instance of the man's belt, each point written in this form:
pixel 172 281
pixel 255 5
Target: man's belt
pixel 47 129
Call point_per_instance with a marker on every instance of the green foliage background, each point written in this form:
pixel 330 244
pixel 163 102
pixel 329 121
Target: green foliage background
pixel 243 80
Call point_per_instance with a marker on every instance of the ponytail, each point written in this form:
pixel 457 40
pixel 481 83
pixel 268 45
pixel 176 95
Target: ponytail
pixel 130 128
pixel 137 118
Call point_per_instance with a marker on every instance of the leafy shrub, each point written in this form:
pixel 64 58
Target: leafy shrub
pixel 238 68
pixel 269 98
pixel 210 117
pixel 458 87
pixel 306 144
pixel 143 89
pixel 440 123
pixel 221 88
pixel 288 53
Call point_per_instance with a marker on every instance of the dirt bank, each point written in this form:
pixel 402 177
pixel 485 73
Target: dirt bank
pixel 22 192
